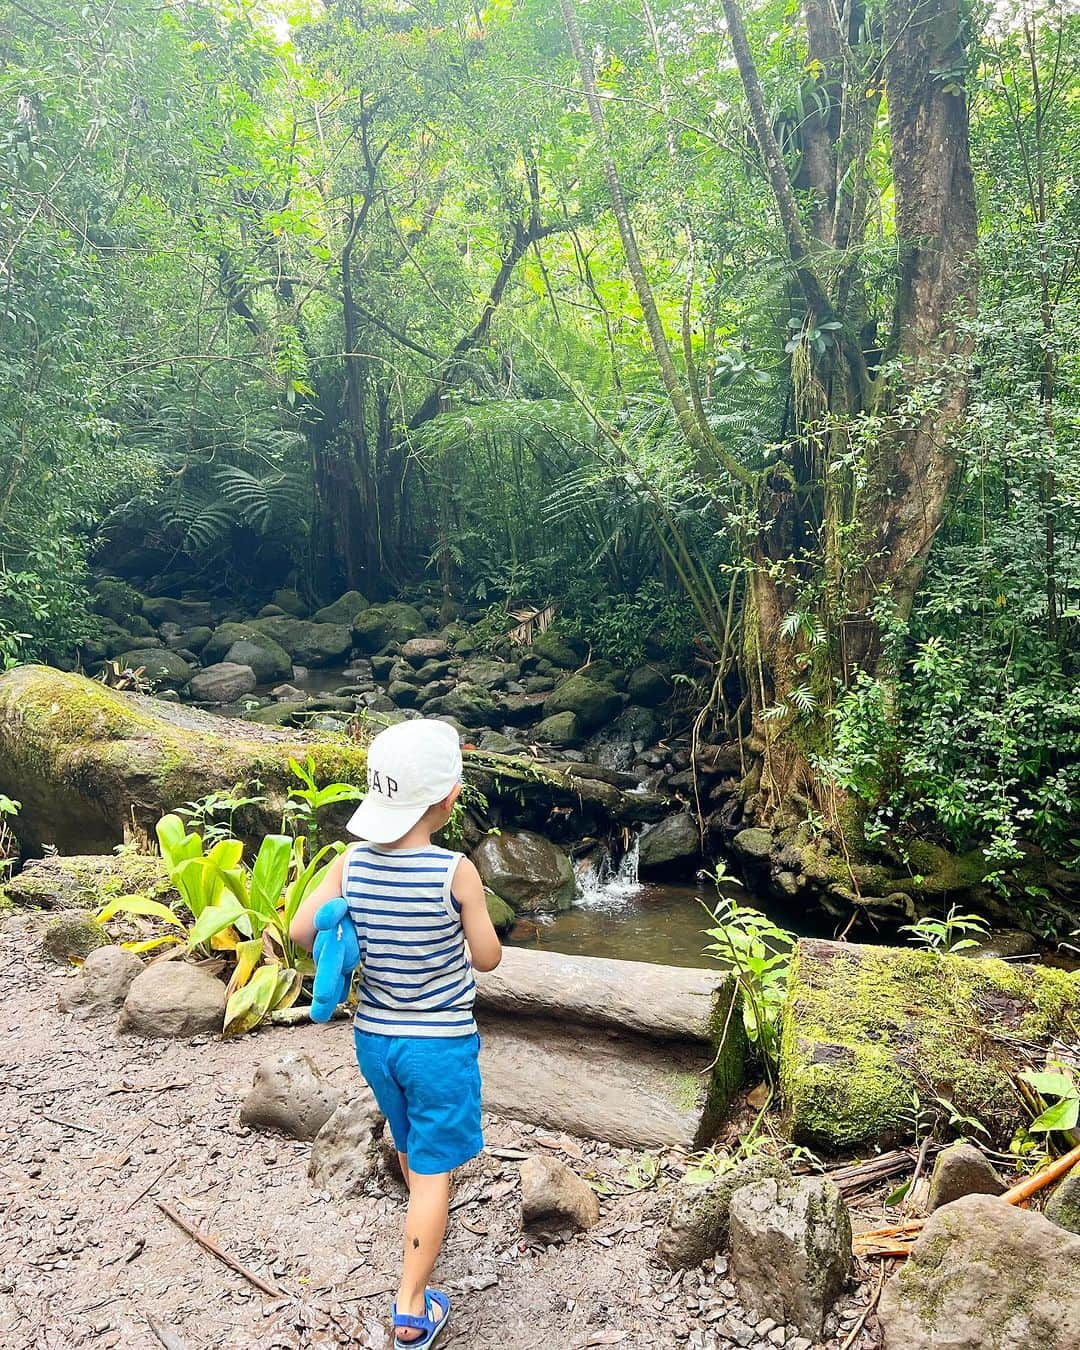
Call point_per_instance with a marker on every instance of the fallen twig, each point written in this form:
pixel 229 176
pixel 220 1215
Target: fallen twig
pixel 149 1187
pixel 212 1247
pixel 850 1339
pixel 69 1124
pixel 168 1339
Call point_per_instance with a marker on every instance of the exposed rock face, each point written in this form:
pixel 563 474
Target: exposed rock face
pixel 72 937
pixel 346 1149
pixel 309 644
pixel 527 870
pixel 223 683
pixel 985 1275
pixel 165 668
pixel 864 1026
pixel 790 1249
pixel 1063 1207
pixel 380 625
pixel 960 1170
pixel 268 661
pixel 670 844
pixel 591 702
pixel 102 983
pixel 344 609
pixel 555 1203
pixel 173 999
pixel 291 1096
pixel 697 1223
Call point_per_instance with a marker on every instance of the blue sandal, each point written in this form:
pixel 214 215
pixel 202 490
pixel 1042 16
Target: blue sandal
pixel 426 1324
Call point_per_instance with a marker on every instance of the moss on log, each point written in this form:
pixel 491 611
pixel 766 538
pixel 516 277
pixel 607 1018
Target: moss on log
pixel 865 1028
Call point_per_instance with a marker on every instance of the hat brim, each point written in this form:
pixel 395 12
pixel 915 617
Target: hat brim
pixel 380 823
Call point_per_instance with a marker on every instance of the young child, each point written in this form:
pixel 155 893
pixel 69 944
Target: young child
pixel 422 926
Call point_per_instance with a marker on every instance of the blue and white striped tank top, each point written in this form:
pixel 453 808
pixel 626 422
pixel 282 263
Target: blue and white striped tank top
pixel 415 979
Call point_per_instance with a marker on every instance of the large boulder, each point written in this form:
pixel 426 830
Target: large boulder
pixel 101 984
pixel 527 870
pixel 290 1096
pixel 985 1275
pixel 418 651
pixel 380 625
pixel 117 600
pixel 959 1170
pixel 309 644
pixel 222 683
pixel 697 1223
pixel 343 610
pixel 173 999
pixel 501 914
pixel 267 660
pixel 558 729
pixel 591 702
pixel 864 1028
pixel 555 1202
pixel 187 613
pixel 648 686
pixel 346 1149
pixel 290 602
pixel 217 645
pixel 470 704
pixel 790 1249
pixel 670 845
pixel 561 651
pixel 162 667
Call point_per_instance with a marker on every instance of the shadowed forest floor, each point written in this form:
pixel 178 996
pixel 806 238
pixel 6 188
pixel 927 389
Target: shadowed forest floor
pixel 94 1128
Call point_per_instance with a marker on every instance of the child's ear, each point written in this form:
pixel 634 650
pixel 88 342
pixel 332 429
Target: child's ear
pixel 448 801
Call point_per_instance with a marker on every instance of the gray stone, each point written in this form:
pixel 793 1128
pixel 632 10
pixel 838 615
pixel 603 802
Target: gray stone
pixel 527 870
pixel 419 650
pixel 346 1149
pixel 309 644
pixel 282 714
pixel 290 1095
pixel 962 1169
pixel 669 844
pixel 344 610
pixel 72 937
pixel 194 639
pixel 102 982
pixel 790 1249
pixel 173 998
pixel 490 674
pixel 403 695
pixel 592 702
pixel 117 600
pixel 1063 1207
pixel 222 683
pixel 753 843
pixel 160 666
pixel 558 729
pixel 563 652
pixel 555 1202
pixel 697 1223
pixel 470 704
pixel 380 625
pixel 648 686
pixel 187 613
pixel 268 659
pixel 985 1275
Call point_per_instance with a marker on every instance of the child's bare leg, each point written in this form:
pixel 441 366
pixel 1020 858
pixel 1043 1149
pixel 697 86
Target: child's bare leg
pixel 425 1226
pixel 403 1163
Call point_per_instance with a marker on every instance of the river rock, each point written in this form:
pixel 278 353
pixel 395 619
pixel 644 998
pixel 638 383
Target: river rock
pixel 161 666
pixel 527 870
pixel 790 1249
pixel 591 702
pixel 161 609
pixel 419 650
pixel 1063 1207
pixel 470 704
pixel 346 1149
pixel 222 683
pixel 267 659
pixel 380 625
pixel 755 843
pixel 285 713
pixel 648 686
pixel 309 644
pixel 195 640
pixel 290 601
pixel 117 600
pixel 344 609
pixel 72 937
pixel 290 1095
pixel 558 729
pixel 499 912
pixel 555 1202
pixel 173 998
pixel 564 652
pixel 985 1275
pixel 404 695
pixel 222 640
pixel 671 844
pixel 102 983
pixel 697 1223
pixel 490 674
pixel 962 1169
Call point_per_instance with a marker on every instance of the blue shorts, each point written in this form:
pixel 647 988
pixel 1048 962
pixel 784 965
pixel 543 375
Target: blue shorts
pixel 428 1088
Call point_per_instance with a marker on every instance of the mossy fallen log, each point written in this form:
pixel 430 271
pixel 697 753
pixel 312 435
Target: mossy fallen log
pixel 93 766
pixel 874 1037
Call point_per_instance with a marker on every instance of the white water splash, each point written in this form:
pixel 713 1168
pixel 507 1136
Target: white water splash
pixel 608 887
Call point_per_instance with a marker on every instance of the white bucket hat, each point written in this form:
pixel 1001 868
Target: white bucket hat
pixel 410 767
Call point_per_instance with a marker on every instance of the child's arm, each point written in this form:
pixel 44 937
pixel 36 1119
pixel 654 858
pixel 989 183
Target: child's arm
pixel 485 949
pixel 302 928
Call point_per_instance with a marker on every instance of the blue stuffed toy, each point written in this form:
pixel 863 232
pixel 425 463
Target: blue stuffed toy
pixel 337 954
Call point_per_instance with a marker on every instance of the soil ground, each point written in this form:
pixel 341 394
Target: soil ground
pixel 95 1127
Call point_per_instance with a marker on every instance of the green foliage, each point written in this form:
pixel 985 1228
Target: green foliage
pixel 946 936
pixel 1064 1112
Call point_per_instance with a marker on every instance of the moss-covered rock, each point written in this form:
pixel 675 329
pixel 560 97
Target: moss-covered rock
pixel 117 600
pixel 309 644
pixel 161 666
pixel 72 937
pixel 564 652
pixel 499 912
pixel 265 658
pixel 1063 1207
pixel 85 881
pixel 558 729
pixel 161 609
pixel 289 602
pixel 380 625
pixel 866 1027
pixel 697 1222
pixel 344 609
pixel 591 702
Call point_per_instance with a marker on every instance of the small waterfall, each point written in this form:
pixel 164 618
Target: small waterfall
pixel 609 887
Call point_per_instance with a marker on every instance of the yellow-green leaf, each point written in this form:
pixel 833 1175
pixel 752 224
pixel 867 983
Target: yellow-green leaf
pixel 248 955
pixel 248 1006
pixel 148 944
pixel 287 992
pixel 138 904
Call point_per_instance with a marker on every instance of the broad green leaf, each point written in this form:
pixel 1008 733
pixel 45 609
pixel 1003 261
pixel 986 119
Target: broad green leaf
pixel 1062 1115
pixel 1050 1084
pixel 269 874
pixel 138 904
pixel 213 919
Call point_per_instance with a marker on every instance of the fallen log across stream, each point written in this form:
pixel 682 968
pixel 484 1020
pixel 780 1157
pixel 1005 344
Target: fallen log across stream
pixel 93 766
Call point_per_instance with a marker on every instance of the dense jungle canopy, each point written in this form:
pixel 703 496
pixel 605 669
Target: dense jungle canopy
pixel 746 334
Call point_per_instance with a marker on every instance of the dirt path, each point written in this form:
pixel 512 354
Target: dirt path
pixel 94 1128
